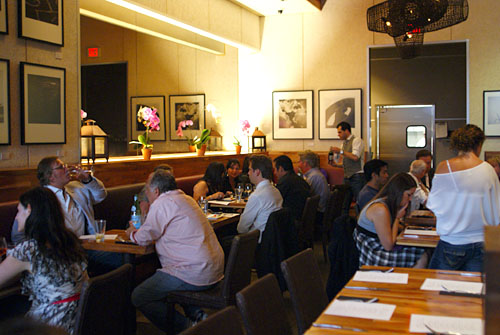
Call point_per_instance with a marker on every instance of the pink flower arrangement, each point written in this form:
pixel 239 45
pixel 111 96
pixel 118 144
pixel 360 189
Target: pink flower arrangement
pixel 83 115
pixel 183 125
pixel 245 126
pixel 151 121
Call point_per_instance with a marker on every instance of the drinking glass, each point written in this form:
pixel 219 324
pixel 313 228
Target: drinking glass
pixel 3 248
pixel 76 169
pixel 100 230
pixel 248 189
pixel 203 204
pixel 238 191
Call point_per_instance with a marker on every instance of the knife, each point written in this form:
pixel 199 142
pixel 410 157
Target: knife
pixel 366 288
pixel 330 326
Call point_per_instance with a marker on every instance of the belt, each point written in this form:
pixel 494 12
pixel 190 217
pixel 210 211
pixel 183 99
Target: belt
pixel 72 298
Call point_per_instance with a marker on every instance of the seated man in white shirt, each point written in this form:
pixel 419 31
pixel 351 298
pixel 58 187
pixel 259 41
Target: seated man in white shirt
pixel 418 169
pixel 264 200
pixel 185 242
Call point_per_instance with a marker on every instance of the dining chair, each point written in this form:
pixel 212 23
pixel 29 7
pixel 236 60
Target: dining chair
pixel 305 226
pixel 236 276
pixel 105 303
pixel 333 210
pixel 307 290
pixel 262 308
pixel 224 322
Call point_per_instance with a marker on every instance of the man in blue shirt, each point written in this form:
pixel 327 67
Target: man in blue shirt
pixel 376 175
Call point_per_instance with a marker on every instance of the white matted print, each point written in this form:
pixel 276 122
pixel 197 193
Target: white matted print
pixel 4 102
pixel 4 23
pixel 491 113
pixel 293 115
pixel 337 106
pixel 187 107
pixel 156 101
pixel 41 20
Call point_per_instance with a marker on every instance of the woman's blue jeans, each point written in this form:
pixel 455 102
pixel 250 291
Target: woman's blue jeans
pixel 463 257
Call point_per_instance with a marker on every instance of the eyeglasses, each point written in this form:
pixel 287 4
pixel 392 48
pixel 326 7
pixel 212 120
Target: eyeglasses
pixel 61 167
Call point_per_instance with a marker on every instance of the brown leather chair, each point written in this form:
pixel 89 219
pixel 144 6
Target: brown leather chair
pixel 305 226
pixel 105 304
pixel 236 276
pixel 262 308
pixel 224 322
pixel 307 290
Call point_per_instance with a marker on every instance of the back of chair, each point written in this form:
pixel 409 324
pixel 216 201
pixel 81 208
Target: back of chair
pixel 262 308
pixel 239 265
pixel 306 228
pixel 104 303
pixel 224 322
pixel 307 290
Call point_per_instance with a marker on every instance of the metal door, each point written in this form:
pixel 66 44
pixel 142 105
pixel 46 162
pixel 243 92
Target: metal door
pixel 403 130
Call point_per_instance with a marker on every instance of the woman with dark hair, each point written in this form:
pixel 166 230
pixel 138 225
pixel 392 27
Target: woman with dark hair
pixel 232 177
pixel 210 186
pixel 378 226
pixel 465 196
pixel 51 260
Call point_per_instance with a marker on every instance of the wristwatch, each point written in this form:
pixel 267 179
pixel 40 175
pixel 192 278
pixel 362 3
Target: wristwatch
pixel 341 152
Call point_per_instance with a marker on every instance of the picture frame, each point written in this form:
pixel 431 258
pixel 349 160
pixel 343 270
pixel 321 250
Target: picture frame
pixel 187 107
pixel 156 101
pixel 41 21
pixel 293 115
pixel 491 113
pixel 4 102
pixel 338 105
pixel 43 104
pixel 4 17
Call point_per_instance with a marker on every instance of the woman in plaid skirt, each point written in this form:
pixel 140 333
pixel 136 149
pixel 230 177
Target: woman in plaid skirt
pixel 378 225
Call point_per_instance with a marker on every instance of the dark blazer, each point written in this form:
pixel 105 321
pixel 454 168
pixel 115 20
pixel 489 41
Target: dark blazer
pixel 431 175
pixel 294 191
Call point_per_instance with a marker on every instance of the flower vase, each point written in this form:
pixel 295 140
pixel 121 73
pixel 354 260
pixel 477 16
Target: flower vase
pixel 146 153
pixel 192 148
pixel 238 149
pixel 201 151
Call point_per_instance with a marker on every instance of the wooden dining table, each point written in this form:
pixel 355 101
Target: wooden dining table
pixel 421 218
pixel 408 298
pixel 417 240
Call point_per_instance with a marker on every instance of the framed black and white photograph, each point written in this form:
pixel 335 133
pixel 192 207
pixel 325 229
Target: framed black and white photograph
pixel 4 21
pixel 43 104
pixel 335 106
pixel 138 128
pixel 184 108
pixel 4 102
pixel 41 20
pixel 293 115
pixel 491 113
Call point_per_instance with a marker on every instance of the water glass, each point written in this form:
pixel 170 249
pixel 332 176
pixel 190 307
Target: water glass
pixel 238 191
pixel 203 204
pixel 248 189
pixel 100 230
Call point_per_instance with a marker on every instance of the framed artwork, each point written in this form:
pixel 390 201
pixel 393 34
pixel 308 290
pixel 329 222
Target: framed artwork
pixel 491 113
pixel 41 20
pixel 4 22
pixel 43 104
pixel 4 102
pixel 293 115
pixel 138 128
pixel 336 106
pixel 187 107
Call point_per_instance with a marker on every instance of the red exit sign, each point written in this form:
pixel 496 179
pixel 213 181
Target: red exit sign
pixel 93 52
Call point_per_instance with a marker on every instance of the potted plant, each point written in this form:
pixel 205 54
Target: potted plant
pixel 183 125
pixel 151 121
pixel 237 145
pixel 201 142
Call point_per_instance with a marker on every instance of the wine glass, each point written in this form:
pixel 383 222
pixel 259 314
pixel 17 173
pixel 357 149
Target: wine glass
pixel 248 189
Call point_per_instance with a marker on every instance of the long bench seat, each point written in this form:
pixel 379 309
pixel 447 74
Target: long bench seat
pixel 115 209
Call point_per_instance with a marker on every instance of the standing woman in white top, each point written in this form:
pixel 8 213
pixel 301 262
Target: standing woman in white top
pixel 465 196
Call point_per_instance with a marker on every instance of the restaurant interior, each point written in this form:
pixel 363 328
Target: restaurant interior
pixel 241 64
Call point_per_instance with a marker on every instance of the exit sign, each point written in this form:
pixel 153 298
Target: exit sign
pixel 93 52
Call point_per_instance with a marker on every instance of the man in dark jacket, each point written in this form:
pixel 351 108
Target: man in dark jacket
pixel 293 188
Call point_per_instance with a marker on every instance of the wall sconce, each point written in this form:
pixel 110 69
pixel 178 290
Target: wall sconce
pixel 217 115
pixel 258 140
pixel 215 142
pixel 93 142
